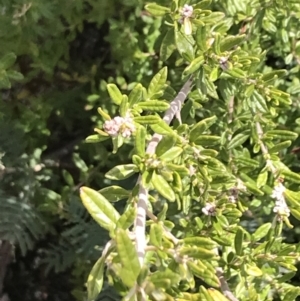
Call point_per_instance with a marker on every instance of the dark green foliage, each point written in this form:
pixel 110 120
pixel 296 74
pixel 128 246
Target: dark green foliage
pixel 56 59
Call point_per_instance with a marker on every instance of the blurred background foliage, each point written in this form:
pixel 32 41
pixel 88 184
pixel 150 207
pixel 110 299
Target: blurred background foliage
pixel 56 58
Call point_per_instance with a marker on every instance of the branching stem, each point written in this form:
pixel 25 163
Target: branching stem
pixel 140 222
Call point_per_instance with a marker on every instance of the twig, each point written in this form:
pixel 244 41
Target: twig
pixel 264 148
pixel 224 285
pixel 167 232
pixel 140 221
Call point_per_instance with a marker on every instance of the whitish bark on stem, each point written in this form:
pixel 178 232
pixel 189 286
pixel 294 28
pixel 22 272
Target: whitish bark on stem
pixel 140 222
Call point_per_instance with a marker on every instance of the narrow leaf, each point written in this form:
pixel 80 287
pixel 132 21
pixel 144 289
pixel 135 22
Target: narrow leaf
pixel 115 193
pixel 238 241
pixel 95 280
pixel 135 95
pixel 157 10
pixel 121 172
pixel 128 258
pixel 115 94
pixel 156 86
pixel 153 105
pixel 150 119
pixel 99 208
pixel 163 187
pixel 140 141
pixel 238 140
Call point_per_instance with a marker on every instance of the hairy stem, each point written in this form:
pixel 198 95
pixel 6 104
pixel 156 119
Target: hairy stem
pixel 140 221
pixel 224 286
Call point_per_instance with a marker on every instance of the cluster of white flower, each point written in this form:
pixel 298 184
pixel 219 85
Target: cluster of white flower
pixel 280 207
pixel 119 125
pixel 187 11
pixel 209 209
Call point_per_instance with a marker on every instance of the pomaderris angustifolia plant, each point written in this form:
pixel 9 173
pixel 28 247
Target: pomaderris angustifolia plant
pixel 213 197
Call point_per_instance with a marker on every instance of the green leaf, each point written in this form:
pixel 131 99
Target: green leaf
pixel 92 98
pixel 68 177
pixel 166 143
pixel 184 46
pixel 253 270
pixel 261 232
pixel 157 10
pixel 104 115
pixel 216 44
pixel 250 184
pixel 274 75
pixel 157 84
pixel 262 179
pixel 99 208
pixel 128 258
pixel 204 4
pixel 282 134
pixel 14 75
pixel 238 242
pixel 246 162
pixel 96 138
pixel 153 105
pixel 200 242
pixel 162 128
pixel 201 271
pixel 201 38
pixel 156 234
pixel 7 60
pixel 115 94
pixel 4 80
pixel 140 141
pixel 292 197
pixel 150 119
pixel 135 95
pixel 231 41
pixel 168 45
pixel 238 140
pixel 193 66
pixel 290 175
pixel 235 73
pixel 280 146
pixel 200 127
pixel 204 295
pixel 127 218
pixel 115 193
pixel 159 278
pixel 171 154
pixel 197 252
pixel 95 280
pixel 162 187
pixel 121 172
pixel 177 182
pixel 124 106
pixel 207 140
pixel 213 18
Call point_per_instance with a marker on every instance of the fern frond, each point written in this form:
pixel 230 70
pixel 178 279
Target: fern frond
pixel 20 223
pixel 82 238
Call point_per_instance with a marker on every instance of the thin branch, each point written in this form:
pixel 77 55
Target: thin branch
pixel 167 232
pixel 264 148
pixel 224 286
pixel 140 221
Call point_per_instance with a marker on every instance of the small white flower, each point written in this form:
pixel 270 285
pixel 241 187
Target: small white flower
pixel 119 125
pixel 187 11
pixel 280 207
pixel 232 199
pixel 192 170
pixel 209 209
pixel 223 61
